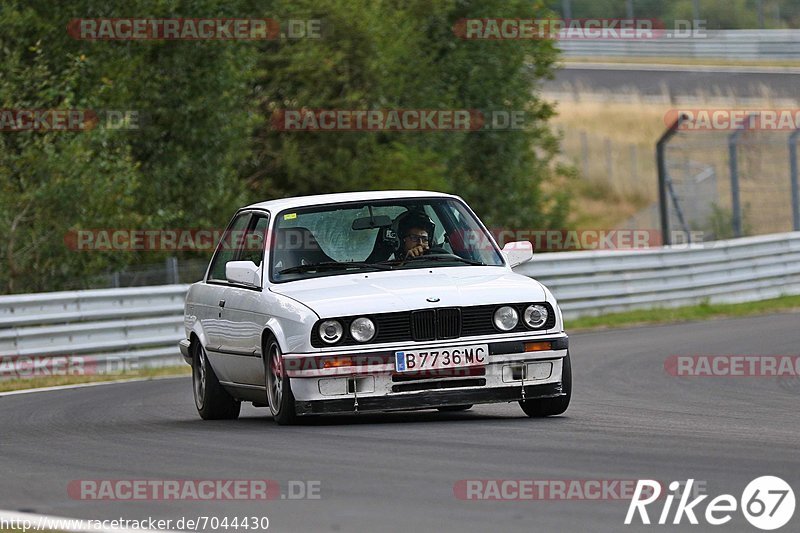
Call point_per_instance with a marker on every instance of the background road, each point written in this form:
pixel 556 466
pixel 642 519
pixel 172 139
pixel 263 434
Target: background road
pixel 677 81
pixel 628 420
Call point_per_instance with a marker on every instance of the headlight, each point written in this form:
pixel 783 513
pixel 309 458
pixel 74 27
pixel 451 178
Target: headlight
pixel 362 329
pixel 535 316
pixel 506 318
pixel 331 331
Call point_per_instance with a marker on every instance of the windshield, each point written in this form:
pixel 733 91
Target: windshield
pixel 379 235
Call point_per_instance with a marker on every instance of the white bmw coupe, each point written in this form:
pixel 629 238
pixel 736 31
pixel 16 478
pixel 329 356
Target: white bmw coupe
pixel 367 302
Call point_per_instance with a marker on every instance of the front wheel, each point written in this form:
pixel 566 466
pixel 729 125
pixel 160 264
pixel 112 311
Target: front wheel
pixel 212 401
pixel 552 406
pixel 279 392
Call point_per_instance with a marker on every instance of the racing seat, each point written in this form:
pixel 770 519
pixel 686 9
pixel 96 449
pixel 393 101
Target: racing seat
pixel 383 248
pixel 297 246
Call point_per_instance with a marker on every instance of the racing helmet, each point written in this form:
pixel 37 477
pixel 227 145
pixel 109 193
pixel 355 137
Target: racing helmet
pixel 412 219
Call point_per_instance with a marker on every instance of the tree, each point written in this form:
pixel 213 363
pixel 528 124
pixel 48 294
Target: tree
pixel 388 55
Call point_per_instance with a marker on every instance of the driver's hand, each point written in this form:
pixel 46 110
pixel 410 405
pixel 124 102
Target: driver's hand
pixel 416 251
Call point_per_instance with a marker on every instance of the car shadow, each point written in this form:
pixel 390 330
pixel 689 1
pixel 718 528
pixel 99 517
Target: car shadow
pixel 402 417
pixel 257 418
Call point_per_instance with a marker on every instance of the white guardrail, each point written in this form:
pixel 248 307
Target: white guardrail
pixel 726 44
pixel 144 324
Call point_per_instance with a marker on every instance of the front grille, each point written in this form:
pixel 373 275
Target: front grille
pixel 423 325
pixel 433 324
pixel 448 323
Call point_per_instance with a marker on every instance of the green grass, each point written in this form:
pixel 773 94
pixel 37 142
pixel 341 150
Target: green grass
pixel 54 381
pixel 681 314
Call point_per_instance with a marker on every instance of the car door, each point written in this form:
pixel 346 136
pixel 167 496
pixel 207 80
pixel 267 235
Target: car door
pixel 244 313
pixel 212 295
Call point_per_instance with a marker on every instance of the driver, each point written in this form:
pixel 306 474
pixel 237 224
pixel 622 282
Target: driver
pixel 414 231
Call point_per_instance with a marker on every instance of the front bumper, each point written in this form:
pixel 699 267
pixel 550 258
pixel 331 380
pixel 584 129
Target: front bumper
pixel 428 399
pixel 372 384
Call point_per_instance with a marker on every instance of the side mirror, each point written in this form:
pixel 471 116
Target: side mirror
pixel 518 252
pixel 243 272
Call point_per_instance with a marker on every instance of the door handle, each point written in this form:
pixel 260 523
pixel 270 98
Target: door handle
pixel 222 303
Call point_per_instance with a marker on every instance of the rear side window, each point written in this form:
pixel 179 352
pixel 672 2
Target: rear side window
pixel 228 247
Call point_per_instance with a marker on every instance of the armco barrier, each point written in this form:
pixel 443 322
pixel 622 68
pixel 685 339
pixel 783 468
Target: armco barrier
pixel 145 323
pixel 105 326
pixel 739 270
pixel 723 44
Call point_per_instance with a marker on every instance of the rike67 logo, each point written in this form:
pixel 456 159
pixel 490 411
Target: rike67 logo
pixel 767 503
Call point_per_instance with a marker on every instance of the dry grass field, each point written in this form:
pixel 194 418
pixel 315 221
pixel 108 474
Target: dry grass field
pixel 611 142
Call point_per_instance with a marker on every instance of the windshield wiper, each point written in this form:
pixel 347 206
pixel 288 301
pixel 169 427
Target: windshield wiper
pixel 447 257
pixel 332 265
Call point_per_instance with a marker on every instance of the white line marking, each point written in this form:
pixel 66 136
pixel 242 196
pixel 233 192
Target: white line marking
pixel 89 384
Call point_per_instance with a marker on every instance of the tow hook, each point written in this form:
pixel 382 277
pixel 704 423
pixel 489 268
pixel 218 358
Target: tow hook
pixel 351 382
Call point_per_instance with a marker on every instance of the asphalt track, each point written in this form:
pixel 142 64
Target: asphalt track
pixel 677 81
pixel 629 420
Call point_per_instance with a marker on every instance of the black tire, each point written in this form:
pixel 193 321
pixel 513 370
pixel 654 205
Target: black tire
pixel 279 391
pixel 212 401
pixel 454 408
pixel 552 406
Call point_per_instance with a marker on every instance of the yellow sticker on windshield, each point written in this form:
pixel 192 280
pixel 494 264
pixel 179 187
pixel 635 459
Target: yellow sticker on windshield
pixel 289 216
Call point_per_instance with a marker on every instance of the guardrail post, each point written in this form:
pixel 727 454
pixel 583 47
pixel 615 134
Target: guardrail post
pixel 666 236
pixel 793 176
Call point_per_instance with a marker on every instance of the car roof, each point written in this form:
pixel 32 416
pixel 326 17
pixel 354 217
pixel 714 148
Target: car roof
pixel 322 199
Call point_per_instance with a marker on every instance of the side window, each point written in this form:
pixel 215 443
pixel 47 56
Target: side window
pixel 228 247
pixel 253 249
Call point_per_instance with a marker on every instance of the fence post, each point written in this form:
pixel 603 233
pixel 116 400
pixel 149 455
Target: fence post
pixel 733 164
pixel 172 270
pixel 566 7
pixel 793 177
pixel 661 164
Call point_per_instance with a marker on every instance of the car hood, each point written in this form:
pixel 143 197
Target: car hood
pixel 383 292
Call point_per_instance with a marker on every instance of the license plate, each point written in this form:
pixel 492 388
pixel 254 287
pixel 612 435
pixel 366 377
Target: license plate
pixel 435 358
